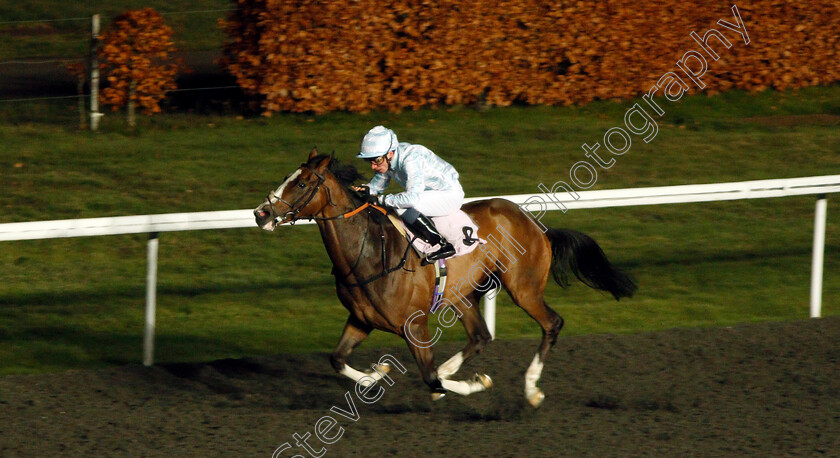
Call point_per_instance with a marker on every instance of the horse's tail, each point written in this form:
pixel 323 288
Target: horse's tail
pixel 575 252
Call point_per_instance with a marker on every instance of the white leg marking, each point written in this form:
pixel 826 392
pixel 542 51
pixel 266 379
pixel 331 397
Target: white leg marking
pixel 451 366
pixel 464 388
pixel 356 376
pixel 534 395
pixel 352 373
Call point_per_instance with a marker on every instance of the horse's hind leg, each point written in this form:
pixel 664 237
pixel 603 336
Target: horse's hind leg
pixel 535 395
pixel 530 300
pixel 477 333
pixel 354 333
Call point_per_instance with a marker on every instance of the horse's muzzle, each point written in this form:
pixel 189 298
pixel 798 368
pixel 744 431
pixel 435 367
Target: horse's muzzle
pixel 264 219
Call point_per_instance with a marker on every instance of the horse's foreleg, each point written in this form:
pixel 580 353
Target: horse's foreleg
pixel 477 333
pixel 425 361
pixel 416 334
pixel 354 333
pixel 451 366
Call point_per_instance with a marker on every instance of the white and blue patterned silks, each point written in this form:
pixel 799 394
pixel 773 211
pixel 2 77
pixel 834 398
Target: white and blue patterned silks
pixel 431 183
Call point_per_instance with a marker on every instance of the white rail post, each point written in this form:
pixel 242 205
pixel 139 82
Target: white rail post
pixel 94 74
pixel 817 258
pixel 151 287
pixel 490 311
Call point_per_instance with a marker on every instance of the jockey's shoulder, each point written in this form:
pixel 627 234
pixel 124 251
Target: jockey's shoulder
pixel 413 151
pixel 405 146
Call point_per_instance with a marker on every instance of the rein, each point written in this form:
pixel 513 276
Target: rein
pixel 385 270
pixel 295 211
pixel 367 205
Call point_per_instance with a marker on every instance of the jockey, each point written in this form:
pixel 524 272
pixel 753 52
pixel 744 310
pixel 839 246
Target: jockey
pixel 431 185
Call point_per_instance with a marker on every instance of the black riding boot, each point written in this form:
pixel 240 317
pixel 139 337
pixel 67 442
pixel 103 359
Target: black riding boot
pixel 423 227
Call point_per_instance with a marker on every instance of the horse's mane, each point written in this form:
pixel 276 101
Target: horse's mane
pixel 346 174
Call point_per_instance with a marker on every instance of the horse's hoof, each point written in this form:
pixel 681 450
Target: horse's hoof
pixel 438 396
pixel 484 380
pixel 537 399
pixel 383 368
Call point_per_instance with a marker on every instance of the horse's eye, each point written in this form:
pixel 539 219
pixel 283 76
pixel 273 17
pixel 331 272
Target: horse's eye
pixel 301 185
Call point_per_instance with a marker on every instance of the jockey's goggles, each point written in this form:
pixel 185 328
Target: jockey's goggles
pixel 376 160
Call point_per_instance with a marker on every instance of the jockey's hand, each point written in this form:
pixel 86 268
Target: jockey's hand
pixel 363 191
pixel 373 200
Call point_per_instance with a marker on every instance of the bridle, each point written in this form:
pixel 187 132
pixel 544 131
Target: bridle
pixel 295 209
pixel 291 216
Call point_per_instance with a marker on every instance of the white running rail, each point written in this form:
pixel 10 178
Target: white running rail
pixel 536 204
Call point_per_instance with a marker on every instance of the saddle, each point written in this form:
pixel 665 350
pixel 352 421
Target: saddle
pixel 457 228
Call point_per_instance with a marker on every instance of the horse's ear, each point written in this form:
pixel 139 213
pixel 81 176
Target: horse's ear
pixel 313 153
pixel 322 165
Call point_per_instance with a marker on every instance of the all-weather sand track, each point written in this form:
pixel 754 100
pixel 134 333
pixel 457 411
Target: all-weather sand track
pixel 749 390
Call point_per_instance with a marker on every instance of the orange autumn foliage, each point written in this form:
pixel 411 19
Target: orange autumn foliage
pixel 135 55
pixel 305 56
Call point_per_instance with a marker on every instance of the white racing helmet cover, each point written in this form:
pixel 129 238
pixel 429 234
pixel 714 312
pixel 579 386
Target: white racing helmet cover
pixel 377 142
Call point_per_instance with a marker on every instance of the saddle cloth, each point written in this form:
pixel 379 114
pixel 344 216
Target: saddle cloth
pixel 457 228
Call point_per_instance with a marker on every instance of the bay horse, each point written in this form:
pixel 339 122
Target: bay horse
pixel 384 285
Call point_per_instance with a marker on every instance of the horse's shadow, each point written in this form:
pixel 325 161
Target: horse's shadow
pixel 293 382
pixel 307 382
